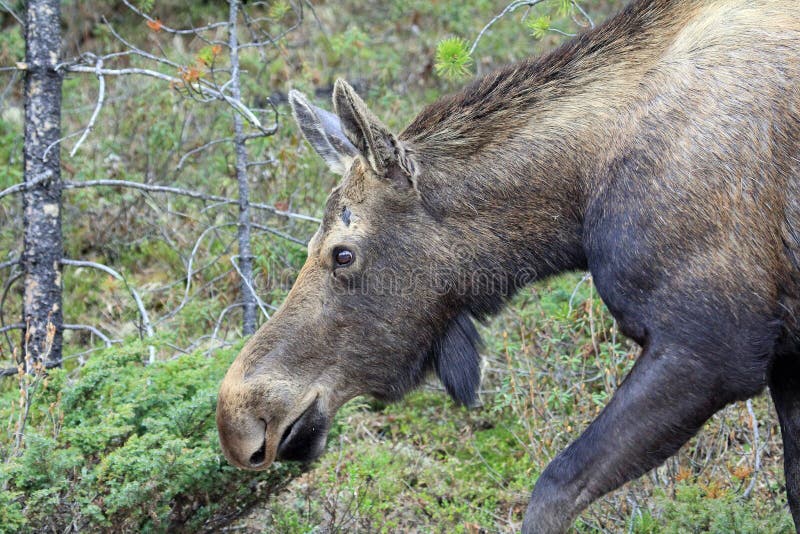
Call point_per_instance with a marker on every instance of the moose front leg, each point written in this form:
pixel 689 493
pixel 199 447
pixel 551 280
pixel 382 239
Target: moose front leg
pixel 784 385
pixel 665 399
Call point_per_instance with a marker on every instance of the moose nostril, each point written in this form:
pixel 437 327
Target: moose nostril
pixel 258 457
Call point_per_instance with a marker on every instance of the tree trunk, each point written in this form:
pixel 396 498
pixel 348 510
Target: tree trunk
pixel 245 254
pixel 43 247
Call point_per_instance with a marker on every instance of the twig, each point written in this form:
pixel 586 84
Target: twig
pixel 201 148
pixel 513 6
pixel 176 82
pixel 9 263
pixel 5 6
pixel 167 29
pixel 15 326
pixel 22 186
pixel 189 272
pixel 250 287
pixel 279 234
pixel 186 193
pixel 15 75
pixel 222 316
pixel 6 288
pixel 516 4
pixel 107 340
pixel 586 277
pixel 756 450
pixel 148 327
pixel 101 96
pixel 584 13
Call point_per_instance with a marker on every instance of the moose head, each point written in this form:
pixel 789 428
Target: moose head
pixel 381 301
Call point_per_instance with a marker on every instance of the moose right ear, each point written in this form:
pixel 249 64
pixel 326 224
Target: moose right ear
pixel 323 130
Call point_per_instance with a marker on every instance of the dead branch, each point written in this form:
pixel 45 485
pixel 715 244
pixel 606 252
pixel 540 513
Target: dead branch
pixel 199 87
pixel 247 283
pixel 184 192
pixel 200 149
pixel 189 272
pixel 162 27
pixel 106 340
pixel 756 450
pixel 145 319
pixel 101 96
pixel 11 12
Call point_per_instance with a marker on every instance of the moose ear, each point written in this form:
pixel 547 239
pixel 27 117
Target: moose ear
pixel 323 130
pixel 457 362
pixel 372 139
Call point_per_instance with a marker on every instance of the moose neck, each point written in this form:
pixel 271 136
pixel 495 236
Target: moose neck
pixel 511 161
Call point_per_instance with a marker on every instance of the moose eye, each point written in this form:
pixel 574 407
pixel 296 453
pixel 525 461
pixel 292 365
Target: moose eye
pixel 343 257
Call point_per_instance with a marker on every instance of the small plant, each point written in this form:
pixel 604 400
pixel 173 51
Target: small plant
pixel 452 58
pixel 539 26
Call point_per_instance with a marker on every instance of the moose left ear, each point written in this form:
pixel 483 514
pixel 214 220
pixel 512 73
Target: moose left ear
pixel 457 362
pixel 371 138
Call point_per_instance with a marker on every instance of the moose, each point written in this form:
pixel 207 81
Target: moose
pixel 660 151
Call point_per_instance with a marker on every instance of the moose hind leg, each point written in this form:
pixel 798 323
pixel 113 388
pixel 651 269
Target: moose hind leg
pixel 784 385
pixel 666 398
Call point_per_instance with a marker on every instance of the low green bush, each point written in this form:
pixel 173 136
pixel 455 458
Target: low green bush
pixel 124 447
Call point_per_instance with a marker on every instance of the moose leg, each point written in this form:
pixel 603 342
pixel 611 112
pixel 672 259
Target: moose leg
pixel 784 385
pixel 666 398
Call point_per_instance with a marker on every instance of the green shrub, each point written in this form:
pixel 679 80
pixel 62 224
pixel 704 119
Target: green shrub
pixel 126 447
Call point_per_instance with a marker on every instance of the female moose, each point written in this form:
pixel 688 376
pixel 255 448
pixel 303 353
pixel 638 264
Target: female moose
pixel 661 151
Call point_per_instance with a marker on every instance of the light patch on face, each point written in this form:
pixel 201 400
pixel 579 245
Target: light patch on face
pixel 342 233
pixel 343 221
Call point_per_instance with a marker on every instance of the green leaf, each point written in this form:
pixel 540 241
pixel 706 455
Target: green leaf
pixel 278 10
pixel 146 5
pixel 206 55
pixel 539 26
pixel 565 8
pixel 452 58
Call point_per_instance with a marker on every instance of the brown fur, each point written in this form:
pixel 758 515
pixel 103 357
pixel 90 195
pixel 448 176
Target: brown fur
pixel 661 151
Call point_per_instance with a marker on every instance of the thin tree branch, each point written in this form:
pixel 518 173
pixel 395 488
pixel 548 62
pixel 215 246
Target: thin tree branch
pixel 101 96
pixel 5 6
pixel 250 287
pixel 9 263
pixel 189 272
pixel 222 316
pixel 200 149
pixel 23 186
pixel 279 234
pixel 15 326
pixel 167 29
pixel 756 450
pixel 107 340
pixel 584 13
pixel 513 6
pixel 176 82
pixel 148 327
pixel 6 288
pixel 187 193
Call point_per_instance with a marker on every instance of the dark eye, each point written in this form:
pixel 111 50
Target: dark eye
pixel 343 257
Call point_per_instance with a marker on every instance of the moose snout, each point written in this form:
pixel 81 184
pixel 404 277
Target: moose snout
pixel 264 415
pixel 243 439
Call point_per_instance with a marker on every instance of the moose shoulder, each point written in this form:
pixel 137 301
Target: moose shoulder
pixel 660 150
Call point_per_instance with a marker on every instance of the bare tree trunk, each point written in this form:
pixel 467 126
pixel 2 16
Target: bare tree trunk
pixel 43 247
pixel 245 255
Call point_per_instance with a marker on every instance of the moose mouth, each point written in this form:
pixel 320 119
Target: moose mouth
pixel 304 439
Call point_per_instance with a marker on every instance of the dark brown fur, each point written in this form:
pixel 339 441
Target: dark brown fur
pixel 661 151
